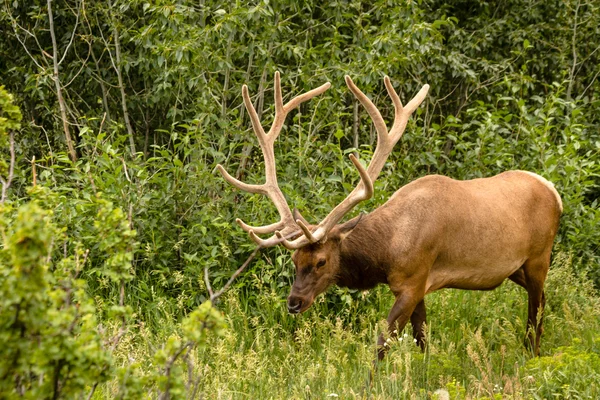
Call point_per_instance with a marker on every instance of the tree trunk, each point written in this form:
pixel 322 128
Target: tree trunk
pixel 102 86
pixel 56 78
pixel 122 89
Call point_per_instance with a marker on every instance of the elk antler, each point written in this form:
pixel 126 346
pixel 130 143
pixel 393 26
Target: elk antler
pixel 387 140
pixel 286 226
pixel 385 143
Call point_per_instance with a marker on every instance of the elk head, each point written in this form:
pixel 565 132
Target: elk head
pixel 317 247
pixel 317 267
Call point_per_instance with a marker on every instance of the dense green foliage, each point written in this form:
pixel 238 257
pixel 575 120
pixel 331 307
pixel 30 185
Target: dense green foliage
pixel 114 210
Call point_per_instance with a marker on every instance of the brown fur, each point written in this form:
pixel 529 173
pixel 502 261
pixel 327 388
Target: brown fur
pixel 437 233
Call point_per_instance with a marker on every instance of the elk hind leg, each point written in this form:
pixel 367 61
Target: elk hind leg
pixel 519 278
pixel 535 272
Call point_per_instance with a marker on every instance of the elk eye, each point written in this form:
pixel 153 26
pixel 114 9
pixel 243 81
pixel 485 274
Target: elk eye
pixel 320 263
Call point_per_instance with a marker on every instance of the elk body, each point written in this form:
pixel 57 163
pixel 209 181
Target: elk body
pixel 433 233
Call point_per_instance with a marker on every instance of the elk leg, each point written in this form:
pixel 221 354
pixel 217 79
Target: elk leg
pixel 535 272
pixel 519 278
pixel 398 317
pixel 418 319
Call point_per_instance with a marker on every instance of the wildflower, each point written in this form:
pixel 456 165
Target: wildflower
pixel 442 394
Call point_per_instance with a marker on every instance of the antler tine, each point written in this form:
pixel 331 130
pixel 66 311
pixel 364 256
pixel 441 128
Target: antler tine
pixel 256 125
pixel 417 100
pixel 239 184
pixel 398 108
pixel 270 242
pixel 260 189
pixel 386 141
pixel 260 229
pixel 296 101
pixel 306 231
pixel 380 125
pixel 286 224
pixel 402 114
pixel 281 110
pixel 385 144
pixel 363 191
pixel 286 243
pixel 278 97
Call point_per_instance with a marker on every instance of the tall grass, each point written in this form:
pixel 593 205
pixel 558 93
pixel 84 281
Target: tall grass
pixel 475 347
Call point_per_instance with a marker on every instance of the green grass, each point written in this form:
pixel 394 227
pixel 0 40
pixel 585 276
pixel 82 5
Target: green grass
pixel 475 347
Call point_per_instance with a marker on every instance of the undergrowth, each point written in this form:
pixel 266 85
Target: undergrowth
pixel 475 347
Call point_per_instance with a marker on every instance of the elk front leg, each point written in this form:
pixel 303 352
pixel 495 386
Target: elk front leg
pixel 403 308
pixel 418 319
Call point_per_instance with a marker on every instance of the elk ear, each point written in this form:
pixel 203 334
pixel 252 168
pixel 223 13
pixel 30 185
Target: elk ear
pixel 299 216
pixel 347 227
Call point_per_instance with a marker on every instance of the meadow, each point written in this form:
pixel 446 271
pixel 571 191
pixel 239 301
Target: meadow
pixel 475 347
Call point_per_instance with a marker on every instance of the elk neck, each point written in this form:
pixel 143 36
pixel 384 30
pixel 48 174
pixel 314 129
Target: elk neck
pixel 362 256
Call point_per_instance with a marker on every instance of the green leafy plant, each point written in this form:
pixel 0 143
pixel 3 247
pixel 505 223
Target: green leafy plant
pixel 46 315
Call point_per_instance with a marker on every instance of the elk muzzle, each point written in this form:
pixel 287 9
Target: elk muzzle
pixel 297 304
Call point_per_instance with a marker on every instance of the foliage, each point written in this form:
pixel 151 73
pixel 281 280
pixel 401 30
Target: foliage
pixel 46 315
pixel 10 114
pixel 502 97
pixel 59 348
pixel 10 121
pixel 115 244
pixel 567 373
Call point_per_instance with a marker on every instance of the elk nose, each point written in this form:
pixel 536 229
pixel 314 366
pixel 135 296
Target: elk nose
pixel 294 305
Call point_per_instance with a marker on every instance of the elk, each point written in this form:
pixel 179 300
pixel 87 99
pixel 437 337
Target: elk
pixel 433 233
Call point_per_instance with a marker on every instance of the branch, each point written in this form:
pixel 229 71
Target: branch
pixel 72 33
pixel 14 25
pixel 574 52
pixel 166 394
pixel 591 83
pixel 99 79
pixel 116 63
pixel 59 94
pixel 114 342
pixel 582 62
pixel 190 376
pixel 215 295
pixel 33 172
pixel 122 88
pixel 126 174
pixel 83 64
pixel 106 45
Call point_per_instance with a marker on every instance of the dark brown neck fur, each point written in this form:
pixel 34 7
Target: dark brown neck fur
pixel 361 265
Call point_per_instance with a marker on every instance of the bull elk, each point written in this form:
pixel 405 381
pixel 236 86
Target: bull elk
pixel 433 233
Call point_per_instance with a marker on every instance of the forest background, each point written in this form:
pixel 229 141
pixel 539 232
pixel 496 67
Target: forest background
pixel 114 114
